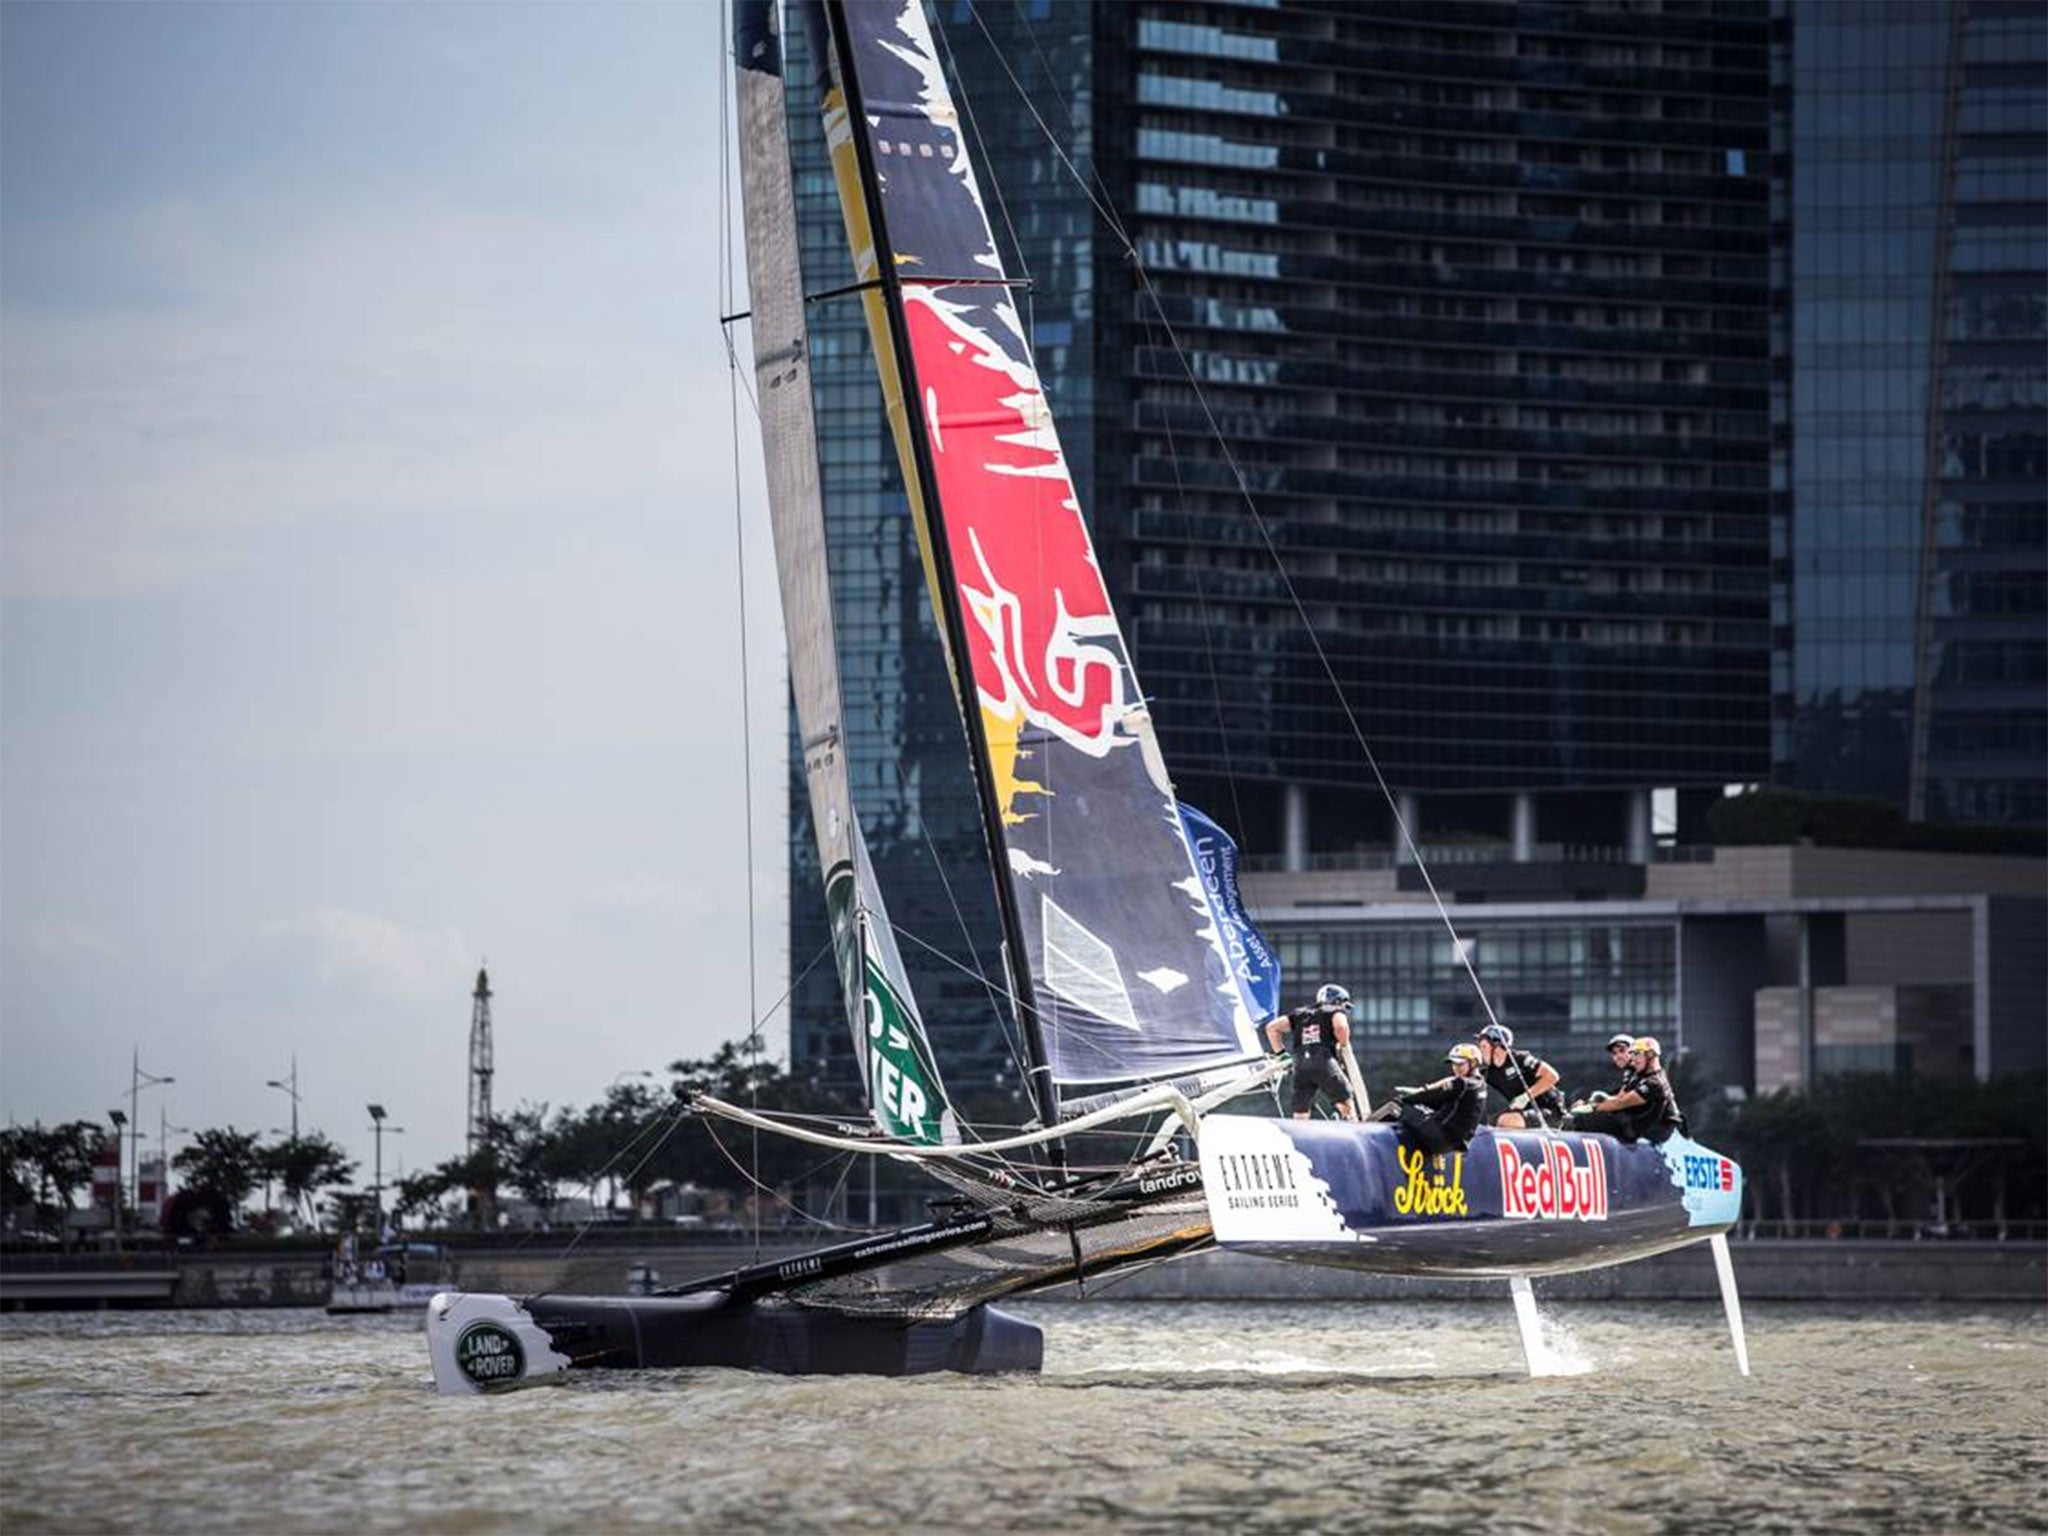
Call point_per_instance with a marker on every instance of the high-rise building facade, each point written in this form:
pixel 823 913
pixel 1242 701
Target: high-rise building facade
pixel 1914 444
pixel 1489 358
pixel 1475 294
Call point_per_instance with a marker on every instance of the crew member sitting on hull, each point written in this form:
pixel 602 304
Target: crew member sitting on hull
pixel 1319 1030
pixel 1644 1110
pixel 1524 1079
pixel 1441 1116
pixel 1618 1047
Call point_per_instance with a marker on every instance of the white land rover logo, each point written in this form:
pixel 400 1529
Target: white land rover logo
pixel 489 1355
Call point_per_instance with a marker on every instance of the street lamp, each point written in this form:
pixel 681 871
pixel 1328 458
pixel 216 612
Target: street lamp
pixel 117 1119
pixel 164 1130
pixel 289 1085
pixel 137 1081
pixel 377 1125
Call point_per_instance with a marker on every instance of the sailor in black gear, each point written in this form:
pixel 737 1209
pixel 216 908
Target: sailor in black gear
pixel 1618 1048
pixel 1441 1116
pixel 1525 1080
pixel 1319 1030
pixel 1644 1110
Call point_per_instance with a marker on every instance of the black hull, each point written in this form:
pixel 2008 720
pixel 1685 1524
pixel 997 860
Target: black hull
pixel 664 1332
pixel 487 1343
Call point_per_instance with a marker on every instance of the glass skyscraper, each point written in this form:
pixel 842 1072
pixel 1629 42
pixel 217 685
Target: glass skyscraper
pixel 1916 516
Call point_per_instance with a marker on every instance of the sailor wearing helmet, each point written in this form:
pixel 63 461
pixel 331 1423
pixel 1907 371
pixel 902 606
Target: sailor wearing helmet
pixel 1441 1116
pixel 1320 1030
pixel 1645 1109
pixel 1524 1079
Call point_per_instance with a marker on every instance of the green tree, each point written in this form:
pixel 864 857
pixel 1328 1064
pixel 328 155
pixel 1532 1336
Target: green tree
pixel 478 1175
pixel 417 1197
pixel 538 1154
pixel 42 1167
pixel 56 1161
pixel 225 1162
pixel 304 1165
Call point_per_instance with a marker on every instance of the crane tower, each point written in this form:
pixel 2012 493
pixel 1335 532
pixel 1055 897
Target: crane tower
pixel 480 1067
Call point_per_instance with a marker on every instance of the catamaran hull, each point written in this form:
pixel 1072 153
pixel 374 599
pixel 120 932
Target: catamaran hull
pixel 484 1343
pixel 1515 1203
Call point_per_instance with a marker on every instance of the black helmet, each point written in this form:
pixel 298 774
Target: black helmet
pixel 1627 1042
pixel 1499 1034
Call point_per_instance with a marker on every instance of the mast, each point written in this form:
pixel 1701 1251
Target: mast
pixel 1044 1092
pixel 903 1083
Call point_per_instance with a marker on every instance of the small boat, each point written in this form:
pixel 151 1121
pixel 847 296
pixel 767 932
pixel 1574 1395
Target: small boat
pixel 396 1277
pixel 1135 985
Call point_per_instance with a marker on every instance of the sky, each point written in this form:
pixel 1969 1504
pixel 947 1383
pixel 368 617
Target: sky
pixel 372 522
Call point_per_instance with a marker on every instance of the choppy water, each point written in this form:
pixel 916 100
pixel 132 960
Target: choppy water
pixel 1149 1416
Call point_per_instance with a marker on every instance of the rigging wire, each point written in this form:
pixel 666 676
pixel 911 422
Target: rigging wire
pixel 988 987
pixel 727 290
pixel 1104 208
pixel 1180 494
pixel 751 1176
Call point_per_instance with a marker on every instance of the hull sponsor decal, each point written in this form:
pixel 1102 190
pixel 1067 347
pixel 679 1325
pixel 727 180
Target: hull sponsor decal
pixel 1553 1185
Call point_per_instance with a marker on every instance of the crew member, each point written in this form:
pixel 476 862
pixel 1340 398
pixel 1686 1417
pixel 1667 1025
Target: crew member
pixel 1320 1030
pixel 1441 1116
pixel 1525 1080
pixel 1645 1109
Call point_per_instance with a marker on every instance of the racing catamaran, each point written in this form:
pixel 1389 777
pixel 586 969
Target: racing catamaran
pixel 1135 981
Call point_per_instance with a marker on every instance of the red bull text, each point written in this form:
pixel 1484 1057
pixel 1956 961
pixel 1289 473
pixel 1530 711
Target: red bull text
pixel 1553 1187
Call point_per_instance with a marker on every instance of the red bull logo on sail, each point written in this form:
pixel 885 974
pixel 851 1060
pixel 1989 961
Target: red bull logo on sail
pixel 1554 1187
pixel 1045 641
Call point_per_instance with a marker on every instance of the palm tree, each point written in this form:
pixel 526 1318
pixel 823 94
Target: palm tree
pixel 306 1164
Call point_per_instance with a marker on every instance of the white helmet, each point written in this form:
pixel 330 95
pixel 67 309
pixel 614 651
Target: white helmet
pixel 1330 995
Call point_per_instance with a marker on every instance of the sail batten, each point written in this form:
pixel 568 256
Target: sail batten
pixel 1118 955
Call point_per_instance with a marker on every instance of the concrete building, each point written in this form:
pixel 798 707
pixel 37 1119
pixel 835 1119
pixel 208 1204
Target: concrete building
pixel 1766 966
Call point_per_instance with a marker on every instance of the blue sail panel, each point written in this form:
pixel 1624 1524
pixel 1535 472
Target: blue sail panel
pixel 1253 961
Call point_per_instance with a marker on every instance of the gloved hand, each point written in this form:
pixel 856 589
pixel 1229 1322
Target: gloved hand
pixel 1597 1096
pixel 1406 1093
pixel 1580 1108
pixel 1519 1101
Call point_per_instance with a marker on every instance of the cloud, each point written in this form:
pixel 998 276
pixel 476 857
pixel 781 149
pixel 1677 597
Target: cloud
pixel 307 363
pixel 347 959
pixel 63 942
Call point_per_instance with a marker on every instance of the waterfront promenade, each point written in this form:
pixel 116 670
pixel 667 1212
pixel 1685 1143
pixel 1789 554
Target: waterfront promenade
pixel 281 1275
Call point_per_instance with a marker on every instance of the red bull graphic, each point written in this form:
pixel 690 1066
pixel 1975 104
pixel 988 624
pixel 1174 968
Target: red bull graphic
pixel 1045 643
pixel 1554 1187
pixel 1128 973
